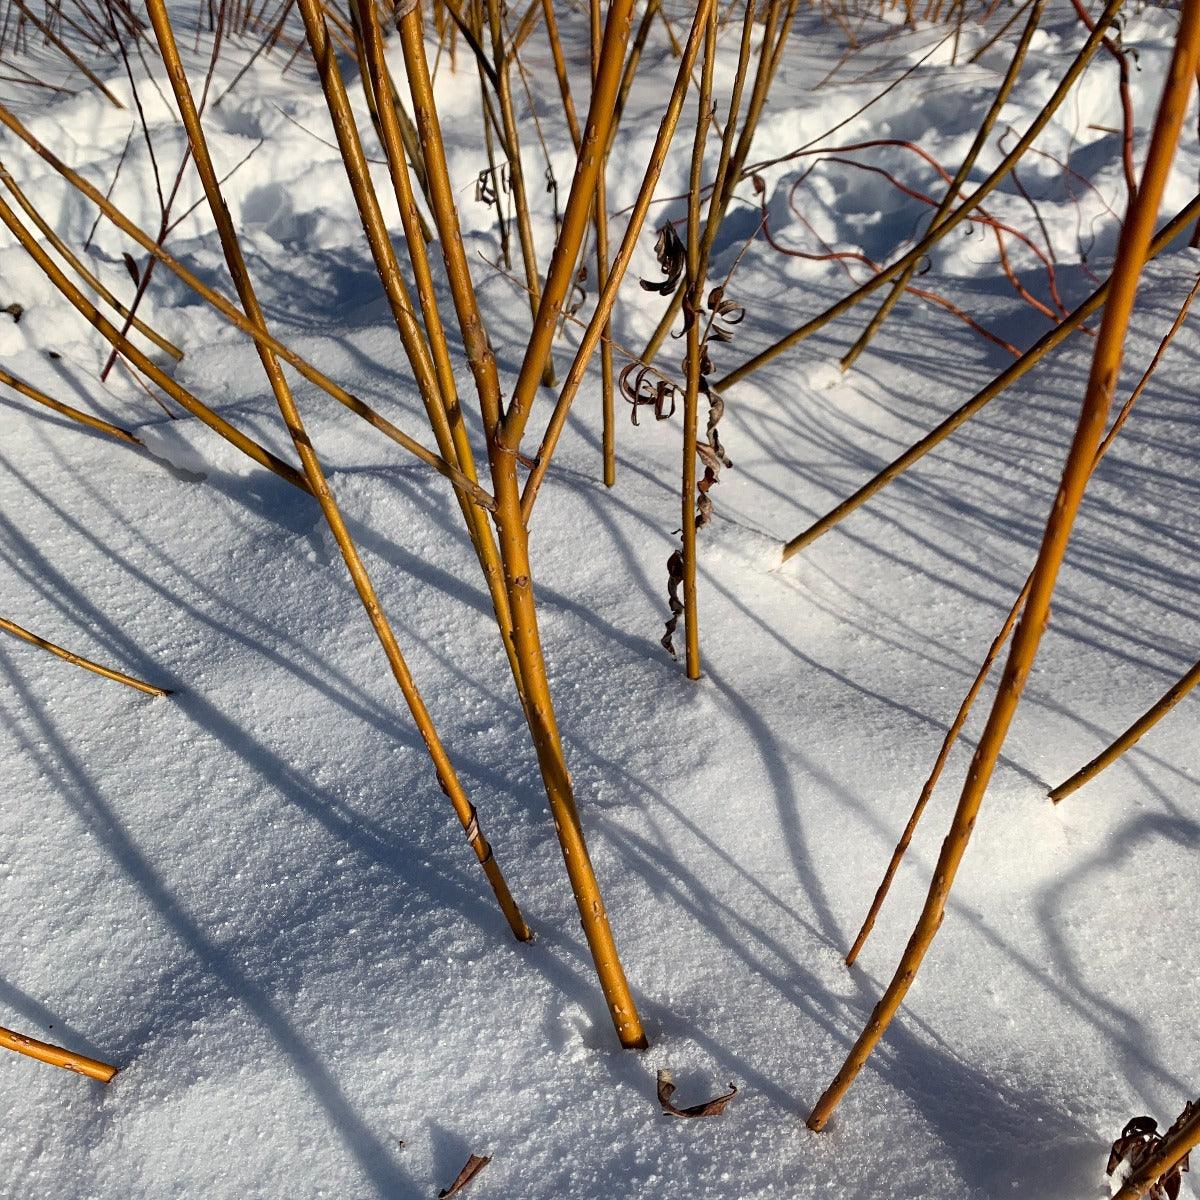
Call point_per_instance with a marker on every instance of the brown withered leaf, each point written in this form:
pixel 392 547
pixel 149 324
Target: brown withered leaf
pixel 710 1108
pixel 642 391
pixel 672 258
pixel 674 579
pixel 131 267
pixel 473 1166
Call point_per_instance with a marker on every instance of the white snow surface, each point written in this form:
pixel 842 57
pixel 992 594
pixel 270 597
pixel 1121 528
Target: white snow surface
pixel 252 895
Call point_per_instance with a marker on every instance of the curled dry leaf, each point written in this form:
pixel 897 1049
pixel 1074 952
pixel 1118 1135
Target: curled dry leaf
pixel 485 193
pixel 710 1108
pixel 674 579
pixel 642 387
pixel 672 258
pixel 1139 1141
pixel 473 1166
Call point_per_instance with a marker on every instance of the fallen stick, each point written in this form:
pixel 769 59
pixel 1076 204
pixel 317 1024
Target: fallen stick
pixel 79 661
pixel 56 1056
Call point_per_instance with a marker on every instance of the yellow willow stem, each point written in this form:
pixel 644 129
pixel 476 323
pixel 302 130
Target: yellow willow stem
pixel 994 651
pixel 27 389
pixel 560 72
pixel 1132 253
pixel 693 317
pixel 595 326
pixel 516 172
pixel 78 660
pixel 985 395
pixel 733 157
pixel 180 395
pixel 951 222
pixel 446 775
pixel 574 222
pixel 1169 1154
pixel 1134 733
pixel 600 212
pixel 510 527
pixel 479 529
pixel 56 1056
pixel 383 253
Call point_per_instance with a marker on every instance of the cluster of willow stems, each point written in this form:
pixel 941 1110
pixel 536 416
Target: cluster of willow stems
pixel 496 506
pixel 497 520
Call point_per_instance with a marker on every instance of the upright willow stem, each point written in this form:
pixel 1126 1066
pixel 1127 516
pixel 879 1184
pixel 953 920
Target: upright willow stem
pixel 476 520
pixel 574 222
pixel 1134 733
pixel 593 333
pixel 438 408
pixel 692 318
pixel 951 221
pixel 955 186
pixel 995 387
pixel 516 173
pixel 1132 251
pixel 446 775
pixel 179 394
pixel 560 72
pixel 993 653
pixel 608 416
pixel 733 156
pixel 56 1056
pixel 139 685
pixel 513 536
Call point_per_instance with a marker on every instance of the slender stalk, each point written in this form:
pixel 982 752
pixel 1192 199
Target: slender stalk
pixel 733 158
pixel 631 65
pixel 513 537
pixel 516 173
pixel 1132 253
pixel 1171 1152
pixel 477 524
pixel 693 320
pixel 952 220
pixel 444 769
pixel 600 213
pixel 574 223
pixel 989 392
pixel 594 331
pixel 993 653
pixel 1134 733
pixel 73 261
pixel 180 395
pixel 955 186
pixel 56 1056
pixel 78 660
pixel 560 71
pixel 75 414
pixel 375 228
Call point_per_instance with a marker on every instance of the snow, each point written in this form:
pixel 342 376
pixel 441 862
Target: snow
pixel 253 898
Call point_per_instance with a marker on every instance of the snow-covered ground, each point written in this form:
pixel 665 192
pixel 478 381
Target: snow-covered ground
pixel 253 898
